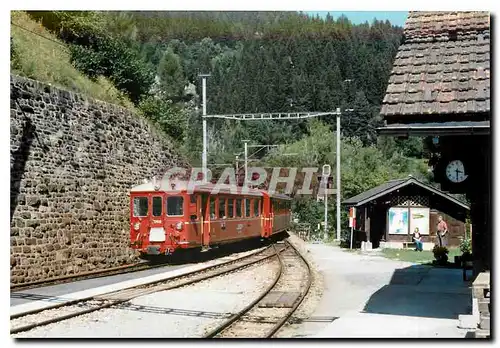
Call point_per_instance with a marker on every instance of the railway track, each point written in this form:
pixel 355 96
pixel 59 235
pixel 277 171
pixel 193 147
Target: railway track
pixel 37 318
pixel 269 312
pixel 135 267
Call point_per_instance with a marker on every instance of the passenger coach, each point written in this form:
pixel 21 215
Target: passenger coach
pixel 164 220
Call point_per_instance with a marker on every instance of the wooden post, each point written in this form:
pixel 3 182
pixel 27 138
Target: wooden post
pixel 352 232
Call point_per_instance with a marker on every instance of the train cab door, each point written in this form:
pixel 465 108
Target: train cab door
pixel 157 219
pixel 271 216
pixel 203 200
pixel 266 215
pixel 195 229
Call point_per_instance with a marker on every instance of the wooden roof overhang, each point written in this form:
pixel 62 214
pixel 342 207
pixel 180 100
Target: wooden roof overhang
pixel 392 187
pixel 436 128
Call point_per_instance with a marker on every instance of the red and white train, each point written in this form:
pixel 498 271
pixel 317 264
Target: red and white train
pixel 163 220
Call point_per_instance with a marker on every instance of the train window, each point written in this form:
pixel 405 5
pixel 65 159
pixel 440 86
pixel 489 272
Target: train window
pixel 157 205
pixel 212 207
pixel 256 207
pixel 174 205
pixel 192 199
pixel 140 206
pixel 239 208
pixel 222 208
pixel 248 208
pixel 230 207
pixel 204 200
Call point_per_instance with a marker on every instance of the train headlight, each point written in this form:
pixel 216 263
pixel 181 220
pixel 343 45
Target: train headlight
pixel 178 226
pixel 136 226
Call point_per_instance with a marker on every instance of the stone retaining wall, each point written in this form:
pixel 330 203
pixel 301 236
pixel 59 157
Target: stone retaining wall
pixel 73 161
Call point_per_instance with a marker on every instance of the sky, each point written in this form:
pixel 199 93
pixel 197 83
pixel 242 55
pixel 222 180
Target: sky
pixel 357 17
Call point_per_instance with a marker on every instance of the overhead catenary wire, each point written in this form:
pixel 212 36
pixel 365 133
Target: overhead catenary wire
pixel 38 34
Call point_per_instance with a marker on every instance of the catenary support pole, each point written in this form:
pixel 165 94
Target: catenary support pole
pixel 204 153
pixel 246 163
pixel 338 174
pixel 324 178
pixel 326 209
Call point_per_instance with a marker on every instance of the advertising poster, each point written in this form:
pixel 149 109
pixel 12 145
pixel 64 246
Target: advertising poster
pixel 398 221
pixel 419 217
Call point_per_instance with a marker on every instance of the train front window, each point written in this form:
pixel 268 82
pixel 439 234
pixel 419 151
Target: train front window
pixel 174 206
pixel 140 206
pixel 239 210
pixel 247 207
pixel 256 207
pixel 212 208
pixel 230 205
pixel 157 206
pixel 222 208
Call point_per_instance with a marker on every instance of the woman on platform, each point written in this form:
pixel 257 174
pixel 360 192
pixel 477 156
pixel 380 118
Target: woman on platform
pixel 418 240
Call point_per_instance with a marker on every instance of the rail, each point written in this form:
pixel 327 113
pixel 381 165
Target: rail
pixel 231 323
pixel 118 297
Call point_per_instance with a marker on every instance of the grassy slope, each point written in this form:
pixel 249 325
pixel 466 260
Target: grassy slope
pixel 48 61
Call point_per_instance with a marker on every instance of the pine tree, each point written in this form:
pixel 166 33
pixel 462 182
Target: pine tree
pixel 171 75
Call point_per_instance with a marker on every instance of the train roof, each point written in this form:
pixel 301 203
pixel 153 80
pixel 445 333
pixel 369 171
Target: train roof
pixel 164 186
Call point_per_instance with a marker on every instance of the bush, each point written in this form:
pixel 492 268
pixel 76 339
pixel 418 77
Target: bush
pixel 171 119
pixel 440 254
pixel 112 58
pixel 465 246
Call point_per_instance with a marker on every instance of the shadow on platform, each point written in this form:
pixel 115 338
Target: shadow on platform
pixel 423 291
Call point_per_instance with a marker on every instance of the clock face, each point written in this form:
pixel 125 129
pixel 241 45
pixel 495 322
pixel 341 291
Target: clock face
pixel 455 171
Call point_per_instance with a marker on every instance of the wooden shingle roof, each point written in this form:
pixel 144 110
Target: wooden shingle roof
pixel 442 67
pixel 393 185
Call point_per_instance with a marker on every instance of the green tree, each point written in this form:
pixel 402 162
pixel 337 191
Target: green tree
pixel 170 118
pixel 171 75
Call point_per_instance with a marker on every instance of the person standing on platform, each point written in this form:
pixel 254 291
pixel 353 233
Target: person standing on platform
pixel 442 231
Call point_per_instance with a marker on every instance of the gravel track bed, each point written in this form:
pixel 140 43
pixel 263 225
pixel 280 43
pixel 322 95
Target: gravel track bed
pixel 161 285
pixel 312 299
pixel 190 311
pixel 255 324
pixel 259 321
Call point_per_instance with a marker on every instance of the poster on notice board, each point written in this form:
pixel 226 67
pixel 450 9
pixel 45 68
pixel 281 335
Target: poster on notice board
pixel 419 218
pixel 398 221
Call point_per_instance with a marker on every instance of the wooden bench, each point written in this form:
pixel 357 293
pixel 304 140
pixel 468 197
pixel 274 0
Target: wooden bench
pixel 407 245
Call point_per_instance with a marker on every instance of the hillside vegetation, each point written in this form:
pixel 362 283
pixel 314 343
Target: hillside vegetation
pixel 38 54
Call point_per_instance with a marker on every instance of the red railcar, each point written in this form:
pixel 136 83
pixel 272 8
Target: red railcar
pixel 164 220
